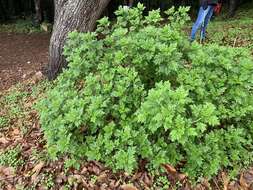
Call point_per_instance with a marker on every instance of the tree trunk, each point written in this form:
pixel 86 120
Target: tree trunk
pixel 11 8
pixel 128 3
pixel 70 15
pixel 232 7
pixel 4 10
pixel 38 14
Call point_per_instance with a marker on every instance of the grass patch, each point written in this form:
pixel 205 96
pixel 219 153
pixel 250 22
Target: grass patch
pixel 233 32
pixel 236 33
pixel 17 104
pixel 11 158
pixel 3 122
pixel 20 26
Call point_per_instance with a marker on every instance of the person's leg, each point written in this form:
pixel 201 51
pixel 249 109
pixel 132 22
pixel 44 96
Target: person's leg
pixel 206 21
pixel 201 16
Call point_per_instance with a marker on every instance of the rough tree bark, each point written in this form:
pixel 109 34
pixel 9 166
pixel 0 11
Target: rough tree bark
pixel 232 7
pixel 129 3
pixel 38 14
pixel 70 15
pixel 4 10
pixel 11 7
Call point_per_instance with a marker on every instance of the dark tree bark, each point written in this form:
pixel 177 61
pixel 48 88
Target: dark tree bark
pixel 4 10
pixel 48 10
pixel 11 7
pixel 233 4
pixel 70 15
pixel 38 12
pixel 129 3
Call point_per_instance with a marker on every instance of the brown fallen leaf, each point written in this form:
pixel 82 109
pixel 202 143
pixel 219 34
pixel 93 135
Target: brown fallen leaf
pixel 84 170
pixel 102 177
pixel 36 78
pixel 61 178
pixel 137 176
pixel 112 184
pixel 16 131
pixel 103 187
pixel 251 186
pixel 205 183
pixel 128 187
pixel 3 140
pixel 77 179
pixel 10 187
pixel 170 169
pixel 147 179
pixel 6 171
pixel 36 171
pixel 187 186
pixel 200 187
pixel 225 180
pixel 246 179
pixel 94 169
pixel 234 186
pixel 28 104
pixel 242 181
pixel 182 177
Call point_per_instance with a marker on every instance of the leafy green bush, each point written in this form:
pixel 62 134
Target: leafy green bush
pixel 139 90
pixel 181 128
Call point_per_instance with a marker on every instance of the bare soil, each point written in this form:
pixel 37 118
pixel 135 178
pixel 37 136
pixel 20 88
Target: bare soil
pixel 21 55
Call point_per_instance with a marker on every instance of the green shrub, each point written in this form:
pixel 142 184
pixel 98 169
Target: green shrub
pixel 181 128
pixel 139 90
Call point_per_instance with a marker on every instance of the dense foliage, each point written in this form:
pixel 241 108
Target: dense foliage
pixel 138 89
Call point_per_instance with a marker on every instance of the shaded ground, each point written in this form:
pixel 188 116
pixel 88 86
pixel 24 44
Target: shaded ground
pixel 21 55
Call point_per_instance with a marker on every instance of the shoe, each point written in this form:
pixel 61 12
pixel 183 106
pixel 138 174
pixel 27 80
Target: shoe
pixel 191 40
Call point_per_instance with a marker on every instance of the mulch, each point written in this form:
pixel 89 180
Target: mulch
pixel 21 55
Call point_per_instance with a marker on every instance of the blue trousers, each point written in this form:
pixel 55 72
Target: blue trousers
pixel 202 21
